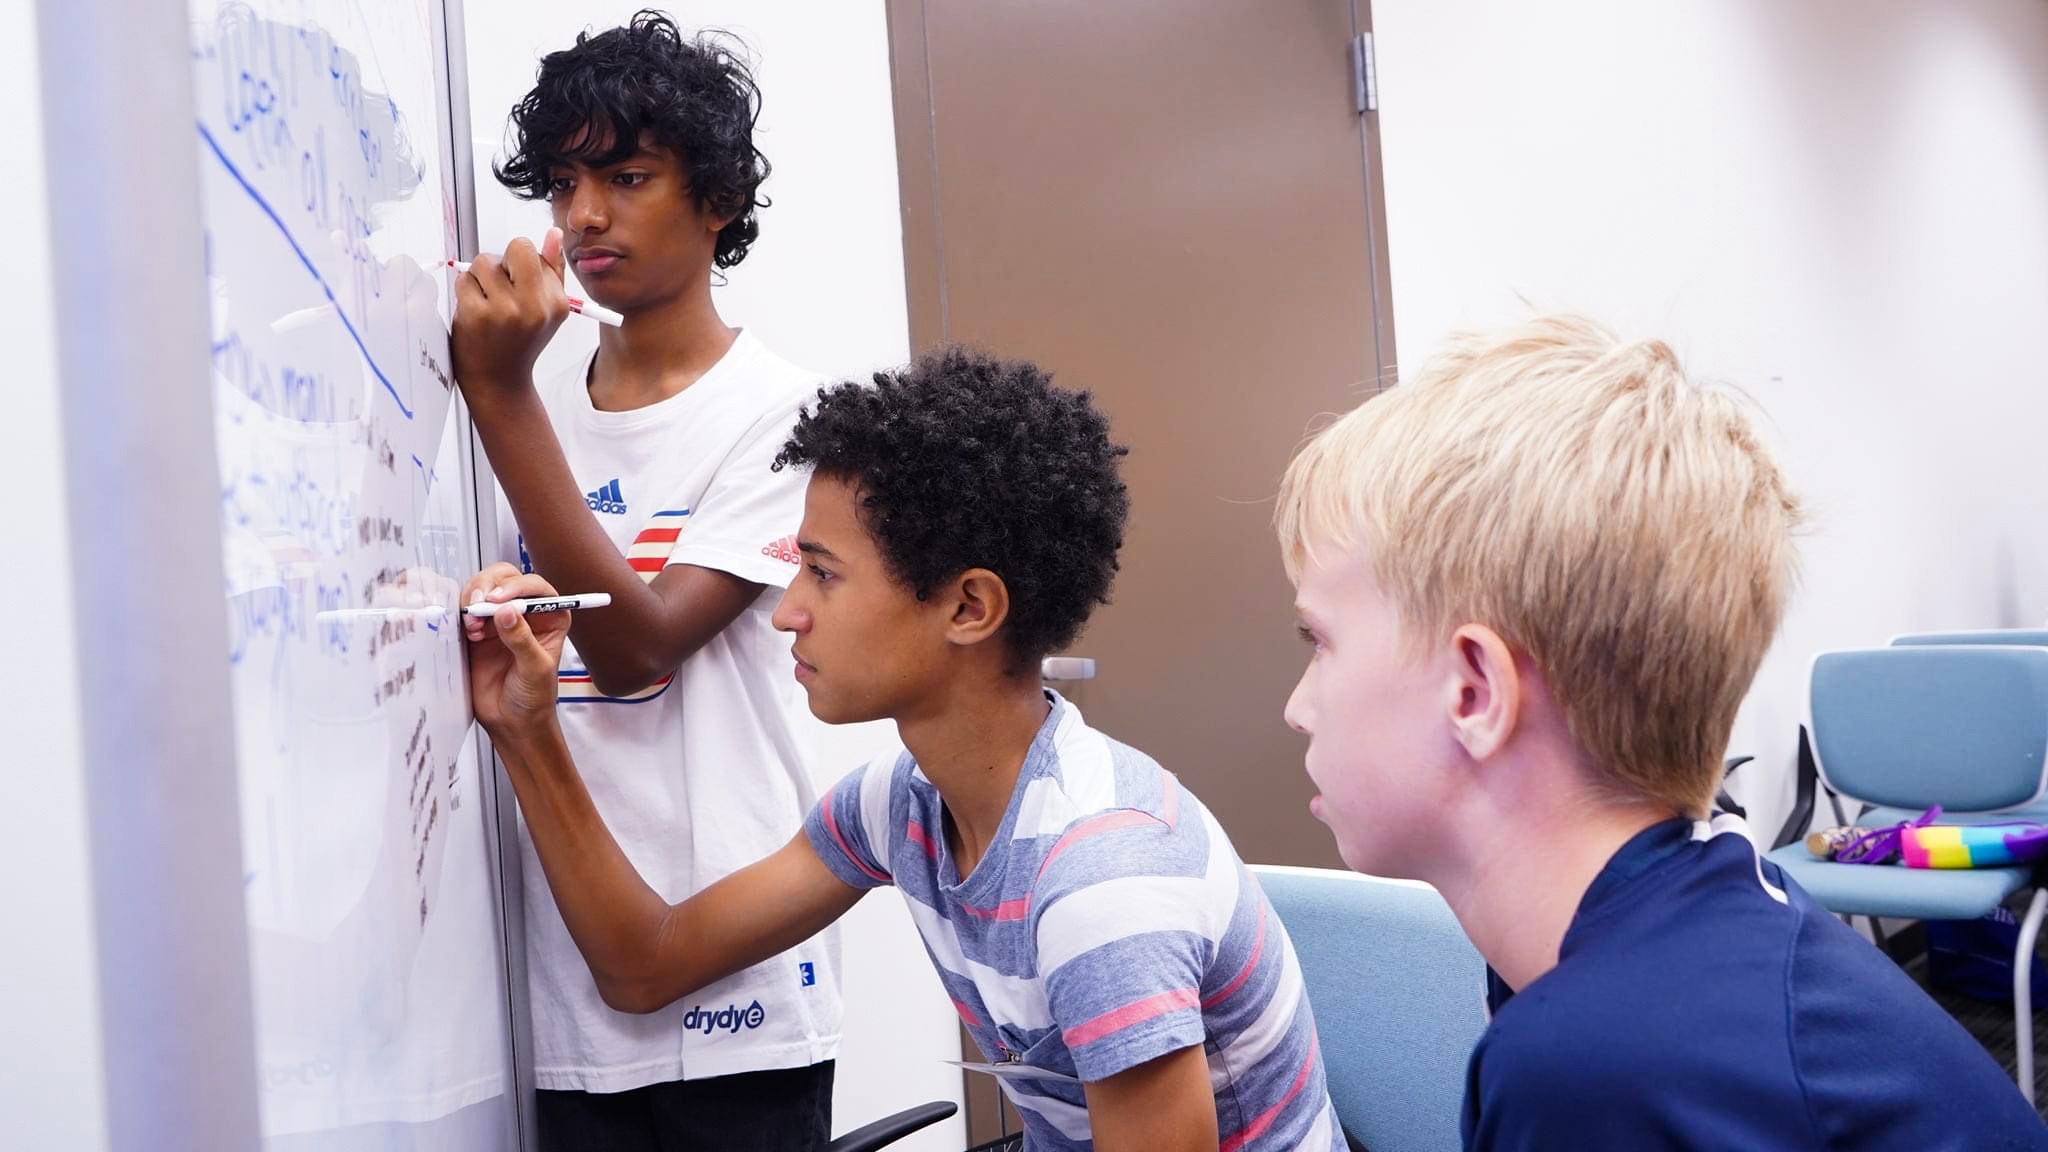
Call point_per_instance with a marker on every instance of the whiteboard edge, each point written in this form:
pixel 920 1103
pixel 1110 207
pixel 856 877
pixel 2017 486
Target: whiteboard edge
pixel 501 825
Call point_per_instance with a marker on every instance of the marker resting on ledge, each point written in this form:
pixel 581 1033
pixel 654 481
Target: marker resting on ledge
pixel 530 606
pixel 577 304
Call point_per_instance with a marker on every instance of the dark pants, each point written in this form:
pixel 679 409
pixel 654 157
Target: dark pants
pixel 783 1110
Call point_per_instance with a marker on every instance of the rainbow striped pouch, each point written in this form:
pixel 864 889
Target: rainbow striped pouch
pixel 1973 845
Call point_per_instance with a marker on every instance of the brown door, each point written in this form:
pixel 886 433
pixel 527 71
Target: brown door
pixel 1169 202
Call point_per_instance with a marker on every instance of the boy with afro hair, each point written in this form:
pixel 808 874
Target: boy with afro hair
pixel 1110 954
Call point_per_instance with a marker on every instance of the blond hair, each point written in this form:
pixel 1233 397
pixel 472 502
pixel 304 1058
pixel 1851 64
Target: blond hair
pixel 1623 528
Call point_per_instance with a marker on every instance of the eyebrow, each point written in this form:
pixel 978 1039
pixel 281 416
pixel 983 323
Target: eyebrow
pixel 815 550
pixel 584 157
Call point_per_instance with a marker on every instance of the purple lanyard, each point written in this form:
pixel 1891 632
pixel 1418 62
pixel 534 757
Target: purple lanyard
pixel 1878 847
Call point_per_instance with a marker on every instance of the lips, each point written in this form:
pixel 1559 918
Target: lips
pixel 594 261
pixel 804 672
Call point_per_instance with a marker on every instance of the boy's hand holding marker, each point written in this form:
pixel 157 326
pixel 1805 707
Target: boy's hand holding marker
pixel 577 304
pixel 507 309
pixel 512 682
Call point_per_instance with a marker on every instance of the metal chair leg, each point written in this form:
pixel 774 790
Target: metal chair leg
pixel 2023 994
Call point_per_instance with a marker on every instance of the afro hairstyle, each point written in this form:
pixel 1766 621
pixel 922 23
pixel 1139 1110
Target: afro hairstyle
pixel 964 460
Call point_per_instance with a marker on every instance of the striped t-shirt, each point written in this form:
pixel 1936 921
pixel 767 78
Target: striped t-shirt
pixel 1110 923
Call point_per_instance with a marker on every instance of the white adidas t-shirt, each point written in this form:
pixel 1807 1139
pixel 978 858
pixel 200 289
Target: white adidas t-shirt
pixel 700 774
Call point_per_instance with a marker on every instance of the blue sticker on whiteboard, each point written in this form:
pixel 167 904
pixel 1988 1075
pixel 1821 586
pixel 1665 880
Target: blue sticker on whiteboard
pixel 810 974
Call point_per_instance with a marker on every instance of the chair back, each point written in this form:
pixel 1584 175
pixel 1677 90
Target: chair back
pixel 1398 994
pixel 1962 726
pixel 2026 637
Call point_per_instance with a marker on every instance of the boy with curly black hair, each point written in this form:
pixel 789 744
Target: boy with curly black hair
pixel 1096 931
pixel 645 472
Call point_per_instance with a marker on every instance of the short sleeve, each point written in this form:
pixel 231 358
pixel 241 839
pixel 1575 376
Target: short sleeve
pixel 1123 949
pixel 745 523
pixel 848 828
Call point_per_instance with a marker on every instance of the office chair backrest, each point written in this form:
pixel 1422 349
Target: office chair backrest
pixel 1398 994
pixel 1965 727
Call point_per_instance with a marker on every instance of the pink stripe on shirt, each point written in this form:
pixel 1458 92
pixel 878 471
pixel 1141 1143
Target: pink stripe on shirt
pixel 1093 826
pixel 1137 1012
pixel 1264 1120
pixel 1251 962
pixel 832 826
pixel 1008 910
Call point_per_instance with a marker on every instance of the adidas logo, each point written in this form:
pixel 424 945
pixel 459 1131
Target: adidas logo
pixel 784 550
pixel 606 499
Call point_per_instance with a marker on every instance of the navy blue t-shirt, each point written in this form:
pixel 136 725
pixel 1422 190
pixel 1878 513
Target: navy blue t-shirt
pixel 1703 1000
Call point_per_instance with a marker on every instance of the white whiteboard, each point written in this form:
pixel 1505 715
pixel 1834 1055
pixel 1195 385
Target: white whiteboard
pixel 377 957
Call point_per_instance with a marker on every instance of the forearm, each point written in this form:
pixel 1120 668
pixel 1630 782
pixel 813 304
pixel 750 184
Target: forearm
pixel 628 645
pixel 644 952
pixel 622 926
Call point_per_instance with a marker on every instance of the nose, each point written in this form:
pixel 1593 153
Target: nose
pixel 1297 711
pixel 790 616
pixel 588 211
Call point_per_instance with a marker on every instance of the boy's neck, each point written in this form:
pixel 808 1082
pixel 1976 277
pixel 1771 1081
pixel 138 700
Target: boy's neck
pixel 660 350
pixel 972 749
pixel 1518 884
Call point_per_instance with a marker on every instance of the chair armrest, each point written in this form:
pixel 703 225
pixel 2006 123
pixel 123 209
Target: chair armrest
pixel 1722 800
pixel 890 1129
pixel 1804 785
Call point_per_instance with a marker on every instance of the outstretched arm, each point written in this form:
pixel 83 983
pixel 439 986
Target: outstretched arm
pixel 644 952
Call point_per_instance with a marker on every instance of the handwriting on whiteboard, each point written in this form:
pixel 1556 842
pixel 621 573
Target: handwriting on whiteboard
pixel 322 141
pixel 332 398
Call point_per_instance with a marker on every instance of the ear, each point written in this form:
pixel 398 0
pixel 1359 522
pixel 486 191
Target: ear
pixel 1485 690
pixel 979 603
pixel 714 221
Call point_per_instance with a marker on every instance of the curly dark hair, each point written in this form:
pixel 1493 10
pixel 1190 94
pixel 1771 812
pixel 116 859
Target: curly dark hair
pixel 696 97
pixel 963 460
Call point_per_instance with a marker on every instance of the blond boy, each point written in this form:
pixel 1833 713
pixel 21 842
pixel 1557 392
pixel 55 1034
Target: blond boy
pixel 1537 579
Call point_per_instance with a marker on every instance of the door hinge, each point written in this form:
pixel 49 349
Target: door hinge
pixel 1365 78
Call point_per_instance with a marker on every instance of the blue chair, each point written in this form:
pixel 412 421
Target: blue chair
pixel 2022 637
pixel 1806 780
pixel 1399 1000
pixel 1912 726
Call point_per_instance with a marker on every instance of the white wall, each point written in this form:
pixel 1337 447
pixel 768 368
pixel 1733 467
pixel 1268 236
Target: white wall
pixel 52 1077
pixel 1839 207
pixel 824 288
